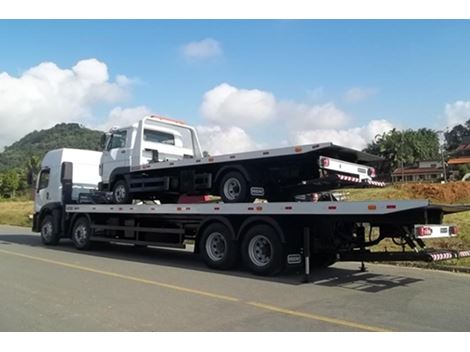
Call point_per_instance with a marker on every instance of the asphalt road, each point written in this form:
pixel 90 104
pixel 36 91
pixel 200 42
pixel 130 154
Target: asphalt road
pixel 120 288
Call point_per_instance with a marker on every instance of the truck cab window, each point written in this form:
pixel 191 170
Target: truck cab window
pixel 44 179
pixel 159 137
pixel 118 140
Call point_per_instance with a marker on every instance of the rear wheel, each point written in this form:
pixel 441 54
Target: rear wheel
pixel 121 193
pixel 81 233
pixel 218 249
pixel 262 250
pixel 49 231
pixel 234 188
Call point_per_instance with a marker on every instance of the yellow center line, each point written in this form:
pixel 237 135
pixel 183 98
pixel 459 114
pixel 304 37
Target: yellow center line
pixel 202 293
pixel 122 276
pixel 317 317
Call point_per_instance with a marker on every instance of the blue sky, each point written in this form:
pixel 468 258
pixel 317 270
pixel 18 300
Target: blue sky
pixel 403 72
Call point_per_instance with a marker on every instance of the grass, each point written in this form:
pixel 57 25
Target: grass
pixel 16 212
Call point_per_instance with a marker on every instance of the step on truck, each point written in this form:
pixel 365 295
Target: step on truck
pixel 160 158
pixel 266 237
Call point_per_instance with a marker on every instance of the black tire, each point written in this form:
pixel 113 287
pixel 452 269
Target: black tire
pixel 233 188
pixel 81 233
pixel 121 193
pixel 322 260
pixel 49 231
pixel 217 247
pixel 262 250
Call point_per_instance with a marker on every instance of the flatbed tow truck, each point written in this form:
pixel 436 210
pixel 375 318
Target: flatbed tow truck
pixel 266 237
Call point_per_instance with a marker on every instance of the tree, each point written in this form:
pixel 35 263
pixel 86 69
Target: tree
pixel 405 147
pixel 32 169
pixel 455 136
pixel 9 183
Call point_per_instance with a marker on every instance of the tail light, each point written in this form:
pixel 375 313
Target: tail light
pixel 325 162
pixel 371 172
pixel 423 231
pixel 453 230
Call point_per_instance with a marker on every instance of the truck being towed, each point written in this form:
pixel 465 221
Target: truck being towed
pixel 160 158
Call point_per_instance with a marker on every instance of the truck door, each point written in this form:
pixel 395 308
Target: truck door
pixel 43 195
pixel 117 154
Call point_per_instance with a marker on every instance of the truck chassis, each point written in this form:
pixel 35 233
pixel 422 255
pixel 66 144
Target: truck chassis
pixel 267 236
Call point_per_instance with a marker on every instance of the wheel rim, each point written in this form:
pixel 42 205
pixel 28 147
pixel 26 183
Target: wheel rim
pixel 81 234
pixel 46 231
pixel 232 188
pixel 260 250
pixel 120 193
pixel 216 246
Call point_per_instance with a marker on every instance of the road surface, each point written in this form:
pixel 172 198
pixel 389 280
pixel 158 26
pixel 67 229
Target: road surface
pixel 120 288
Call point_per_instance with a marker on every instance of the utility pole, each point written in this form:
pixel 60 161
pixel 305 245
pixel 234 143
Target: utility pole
pixel 441 147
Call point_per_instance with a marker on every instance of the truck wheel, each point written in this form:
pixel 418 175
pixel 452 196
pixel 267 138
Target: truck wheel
pixel 234 188
pixel 81 233
pixel 218 249
pixel 49 231
pixel 121 193
pixel 262 250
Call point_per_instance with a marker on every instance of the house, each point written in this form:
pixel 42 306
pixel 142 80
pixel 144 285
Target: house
pixel 426 171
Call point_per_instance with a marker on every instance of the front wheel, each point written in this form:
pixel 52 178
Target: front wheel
pixel 121 193
pixel 262 250
pixel 218 249
pixel 49 231
pixel 81 233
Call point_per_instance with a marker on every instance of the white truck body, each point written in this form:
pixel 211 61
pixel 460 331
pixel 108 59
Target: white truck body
pixel 138 143
pixel 85 175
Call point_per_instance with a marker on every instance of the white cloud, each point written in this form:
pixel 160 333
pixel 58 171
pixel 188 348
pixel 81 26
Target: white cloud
pixel 227 105
pixel 457 113
pixel 119 117
pixel 357 94
pixel 204 49
pixel 46 94
pixel 311 116
pixel 356 138
pixel 223 140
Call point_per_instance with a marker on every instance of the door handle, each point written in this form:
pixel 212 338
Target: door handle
pixel 47 195
pixel 123 151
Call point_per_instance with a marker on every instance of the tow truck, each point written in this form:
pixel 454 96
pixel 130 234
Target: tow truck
pixel 161 158
pixel 267 237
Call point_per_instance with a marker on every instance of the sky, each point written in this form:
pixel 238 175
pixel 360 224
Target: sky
pixel 245 84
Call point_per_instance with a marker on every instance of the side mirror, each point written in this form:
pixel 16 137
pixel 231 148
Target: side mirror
pixel 104 138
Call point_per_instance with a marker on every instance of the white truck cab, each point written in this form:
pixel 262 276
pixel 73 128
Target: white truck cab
pixel 49 182
pixel 152 139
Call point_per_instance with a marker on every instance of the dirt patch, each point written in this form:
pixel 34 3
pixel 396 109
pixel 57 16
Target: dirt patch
pixel 449 193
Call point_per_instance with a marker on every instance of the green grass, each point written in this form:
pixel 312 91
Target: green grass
pixel 16 212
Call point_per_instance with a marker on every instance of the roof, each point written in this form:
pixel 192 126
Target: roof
pixel 417 171
pixel 461 160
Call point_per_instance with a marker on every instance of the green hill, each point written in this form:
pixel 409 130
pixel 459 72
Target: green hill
pixel 38 143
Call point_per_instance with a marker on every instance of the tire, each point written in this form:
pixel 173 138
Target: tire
pixel 233 188
pixel 49 231
pixel 121 193
pixel 217 247
pixel 81 233
pixel 262 250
